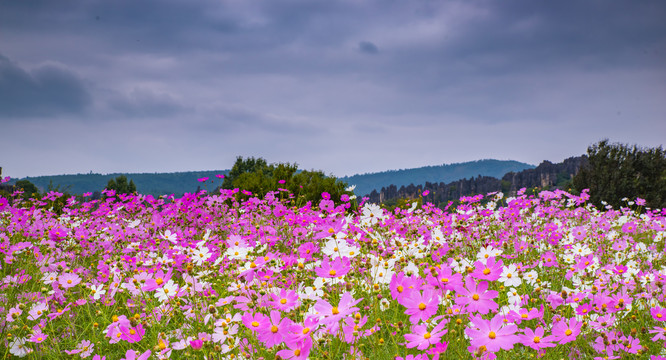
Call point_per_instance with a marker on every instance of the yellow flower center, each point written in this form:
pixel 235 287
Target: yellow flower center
pixel 537 339
pixel 306 330
pixel 427 335
pixel 508 276
pixel 492 335
pixel 283 301
pixel 486 271
pixel 335 310
pixel 445 280
pixel 274 329
pixel 132 332
pixel 475 297
pixel 568 332
pixel 332 272
pixel 400 288
pixel 159 281
pixel 297 352
pixel 422 306
pixel 255 324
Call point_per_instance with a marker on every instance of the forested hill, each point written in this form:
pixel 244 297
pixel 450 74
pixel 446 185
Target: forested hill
pixel 179 183
pixel 366 183
pixel 155 184
pixel 545 176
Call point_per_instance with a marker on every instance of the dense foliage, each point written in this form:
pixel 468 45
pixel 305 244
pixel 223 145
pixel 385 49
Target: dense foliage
pixel 121 186
pixel 617 171
pixel 257 177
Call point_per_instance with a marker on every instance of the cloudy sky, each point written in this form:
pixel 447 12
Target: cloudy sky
pixel 347 87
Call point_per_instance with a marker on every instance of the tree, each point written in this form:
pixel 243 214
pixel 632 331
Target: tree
pixel 121 186
pixel 616 171
pixel 29 189
pixel 258 177
pixel 247 166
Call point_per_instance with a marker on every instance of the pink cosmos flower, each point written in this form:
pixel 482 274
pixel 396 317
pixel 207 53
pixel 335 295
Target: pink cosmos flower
pixel 413 357
pixel 421 338
pixel 132 334
pixel 549 259
pixel 525 315
pixel 330 315
pixel 275 332
pixel 491 270
pixel 566 332
pixel 256 322
pixel 296 350
pixel 492 334
pixel 330 269
pixel 660 331
pixel 535 338
pixel 476 297
pixel 285 300
pixel 68 280
pixel 420 307
pixel 658 313
pixel 446 278
pixel 299 332
pixel 13 314
pixel 38 337
pixel 629 227
pixel 132 355
pixel 84 349
pixel 196 344
pixel 630 344
pixel 401 284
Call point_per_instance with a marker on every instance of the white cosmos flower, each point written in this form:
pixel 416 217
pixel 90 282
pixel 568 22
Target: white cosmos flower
pixel 169 290
pixel 18 348
pixel 510 276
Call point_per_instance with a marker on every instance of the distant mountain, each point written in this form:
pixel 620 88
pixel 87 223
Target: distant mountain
pixel 366 183
pixel 545 176
pixel 179 183
pixel 155 184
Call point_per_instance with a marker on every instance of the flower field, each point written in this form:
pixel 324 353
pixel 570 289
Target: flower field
pixel 231 276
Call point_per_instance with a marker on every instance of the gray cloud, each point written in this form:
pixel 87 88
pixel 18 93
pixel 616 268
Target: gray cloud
pixel 289 78
pixel 367 47
pixel 143 102
pixel 48 90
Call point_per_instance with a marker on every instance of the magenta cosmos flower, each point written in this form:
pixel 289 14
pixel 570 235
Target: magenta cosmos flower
pixel 330 315
pixel 475 296
pixel 491 270
pixel 335 268
pixel 566 332
pixel 256 322
pixel 277 330
pixel 421 338
pixel 420 306
pixel 535 339
pixel 491 333
pixel 285 300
